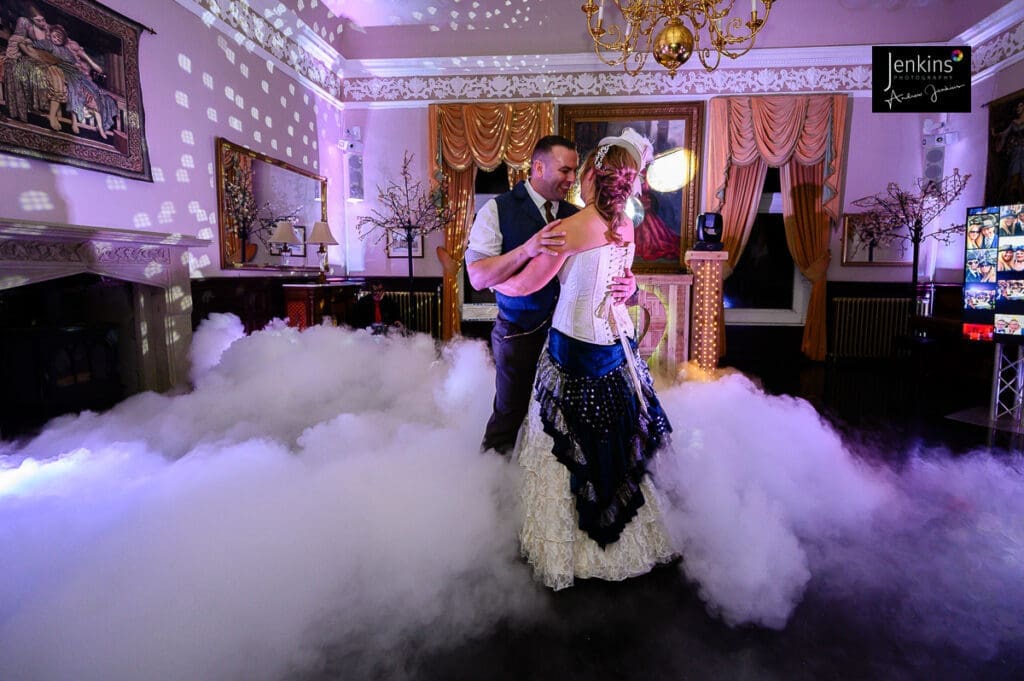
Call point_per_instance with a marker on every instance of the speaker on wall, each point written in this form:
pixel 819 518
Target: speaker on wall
pixel 933 157
pixel 355 176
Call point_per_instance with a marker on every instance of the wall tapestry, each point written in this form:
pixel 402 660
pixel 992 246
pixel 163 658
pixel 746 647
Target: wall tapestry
pixel 69 86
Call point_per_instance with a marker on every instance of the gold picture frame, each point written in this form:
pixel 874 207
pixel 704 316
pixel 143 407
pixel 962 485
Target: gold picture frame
pixel 672 215
pixel 857 253
pixel 274 190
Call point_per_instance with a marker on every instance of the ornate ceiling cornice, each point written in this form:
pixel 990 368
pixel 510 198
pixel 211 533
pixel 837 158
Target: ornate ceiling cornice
pixel 846 69
pixel 998 52
pixel 416 90
pixel 304 54
pixel 997 42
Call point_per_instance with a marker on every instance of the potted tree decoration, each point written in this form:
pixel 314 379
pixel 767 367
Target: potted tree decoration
pixel 898 217
pixel 407 211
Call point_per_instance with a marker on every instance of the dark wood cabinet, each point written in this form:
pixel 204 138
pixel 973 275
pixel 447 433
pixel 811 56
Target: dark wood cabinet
pixel 309 304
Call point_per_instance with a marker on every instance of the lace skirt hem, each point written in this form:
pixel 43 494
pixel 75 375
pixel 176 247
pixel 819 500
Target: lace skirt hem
pixel 551 540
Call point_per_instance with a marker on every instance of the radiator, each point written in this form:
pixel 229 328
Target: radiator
pixel 867 328
pixel 425 315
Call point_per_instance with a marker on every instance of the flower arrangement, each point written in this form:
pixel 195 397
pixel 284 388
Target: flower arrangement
pixel 240 201
pixel 248 221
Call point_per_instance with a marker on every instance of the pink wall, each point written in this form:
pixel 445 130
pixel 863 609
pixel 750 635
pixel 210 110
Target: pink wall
pixel 887 148
pixel 883 148
pixel 189 70
pixel 197 84
pixel 387 134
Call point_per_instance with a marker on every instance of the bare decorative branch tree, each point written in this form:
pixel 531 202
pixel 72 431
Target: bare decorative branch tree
pixel 268 215
pixel 898 217
pixel 407 211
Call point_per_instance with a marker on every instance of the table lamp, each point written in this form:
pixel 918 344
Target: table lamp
pixel 284 234
pixel 322 235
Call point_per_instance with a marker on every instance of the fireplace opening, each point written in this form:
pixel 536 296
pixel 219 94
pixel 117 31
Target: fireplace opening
pixel 65 347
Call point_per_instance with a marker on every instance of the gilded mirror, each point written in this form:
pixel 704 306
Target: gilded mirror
pixel 254 193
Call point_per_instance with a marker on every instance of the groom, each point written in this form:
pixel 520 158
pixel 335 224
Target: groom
pixel 509 230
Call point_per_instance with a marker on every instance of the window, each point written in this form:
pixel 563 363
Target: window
pixel 481 305
pixel 766 288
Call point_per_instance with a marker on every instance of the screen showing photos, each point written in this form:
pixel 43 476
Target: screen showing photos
pixel 994 274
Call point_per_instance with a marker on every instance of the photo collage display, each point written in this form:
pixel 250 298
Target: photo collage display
pixel 994 274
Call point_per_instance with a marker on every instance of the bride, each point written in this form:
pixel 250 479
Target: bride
pixel 594 422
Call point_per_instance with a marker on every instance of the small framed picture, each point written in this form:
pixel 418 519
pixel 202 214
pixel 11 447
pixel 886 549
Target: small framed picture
pixel 858 253
pixel 399 247
pixel 297 250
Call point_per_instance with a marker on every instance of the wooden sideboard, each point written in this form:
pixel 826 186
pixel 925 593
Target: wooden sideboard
pixel 309 304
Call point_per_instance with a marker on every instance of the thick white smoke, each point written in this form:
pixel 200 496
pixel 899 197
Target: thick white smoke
pixel 322 494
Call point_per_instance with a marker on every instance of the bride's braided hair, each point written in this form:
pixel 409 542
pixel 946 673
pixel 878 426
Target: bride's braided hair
pixel 614 174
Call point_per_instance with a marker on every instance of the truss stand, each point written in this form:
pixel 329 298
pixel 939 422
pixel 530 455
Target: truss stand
pixel 1006 410
pixel 1007 404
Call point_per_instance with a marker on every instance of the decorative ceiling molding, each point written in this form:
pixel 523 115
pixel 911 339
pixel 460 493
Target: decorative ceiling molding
pixel 997 42
pixel 845 69
pixel 305 56
pixel 998 52
pixel 413 90
pixel 1000 21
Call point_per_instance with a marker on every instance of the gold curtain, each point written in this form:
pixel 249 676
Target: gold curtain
pixel 748 134
pixel 807 235
pixel 465 137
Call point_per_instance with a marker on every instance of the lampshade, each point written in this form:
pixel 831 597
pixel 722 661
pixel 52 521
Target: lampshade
pixel 321 235
pixel 284 233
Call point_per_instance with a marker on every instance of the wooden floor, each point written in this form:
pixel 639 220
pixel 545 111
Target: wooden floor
pixel 657 627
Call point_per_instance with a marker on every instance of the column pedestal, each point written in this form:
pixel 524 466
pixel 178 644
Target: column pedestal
pixel 707 308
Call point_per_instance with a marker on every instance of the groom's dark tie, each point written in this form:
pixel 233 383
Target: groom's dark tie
pixel 548 215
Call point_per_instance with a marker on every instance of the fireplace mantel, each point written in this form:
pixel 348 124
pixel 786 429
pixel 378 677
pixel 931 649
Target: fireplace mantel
pixel 156 262
pixel 36 251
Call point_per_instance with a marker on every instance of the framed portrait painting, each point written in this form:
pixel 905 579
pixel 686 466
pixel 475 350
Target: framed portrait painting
pixel 1004 179
pixel 857 252
pixel 70 89
pixel 670 184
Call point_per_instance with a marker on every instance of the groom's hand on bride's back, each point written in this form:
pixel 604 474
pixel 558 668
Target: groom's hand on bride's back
pixel 546 241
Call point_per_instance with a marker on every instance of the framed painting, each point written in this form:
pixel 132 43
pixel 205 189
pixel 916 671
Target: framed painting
pixel 1004 180
pixel 857 252
pixel 70 89
pixel 399 247
pixel 670 184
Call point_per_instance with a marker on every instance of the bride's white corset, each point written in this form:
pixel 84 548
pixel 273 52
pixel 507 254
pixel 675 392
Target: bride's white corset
pixel 584 306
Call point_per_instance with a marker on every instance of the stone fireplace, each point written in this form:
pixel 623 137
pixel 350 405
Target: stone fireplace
pixel 127 289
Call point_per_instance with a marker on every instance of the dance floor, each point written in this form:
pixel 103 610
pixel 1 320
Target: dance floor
pixel 658 627
pixel 337 522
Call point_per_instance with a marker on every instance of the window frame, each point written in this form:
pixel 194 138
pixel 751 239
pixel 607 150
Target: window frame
pixel 796 315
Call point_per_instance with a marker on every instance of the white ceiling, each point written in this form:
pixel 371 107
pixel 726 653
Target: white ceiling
pixel 430 29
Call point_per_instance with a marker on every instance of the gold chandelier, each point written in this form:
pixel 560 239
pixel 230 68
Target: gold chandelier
pixel 686 26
